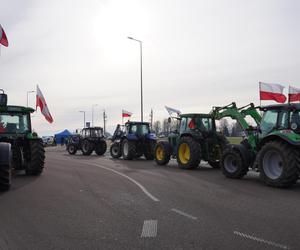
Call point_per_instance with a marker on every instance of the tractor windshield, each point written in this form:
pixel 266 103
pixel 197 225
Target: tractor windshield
pixel 141 129
pixel 14 123
pixel 96 133
pixel 201 123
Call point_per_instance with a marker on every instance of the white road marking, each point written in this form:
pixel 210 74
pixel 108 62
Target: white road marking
pixel 149 229
pixel 184 214
pixel 129 178
pixel 247 236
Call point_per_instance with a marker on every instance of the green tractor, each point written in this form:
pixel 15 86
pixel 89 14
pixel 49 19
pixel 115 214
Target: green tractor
pixel 272 148
pixel 196 140
pixel 20 148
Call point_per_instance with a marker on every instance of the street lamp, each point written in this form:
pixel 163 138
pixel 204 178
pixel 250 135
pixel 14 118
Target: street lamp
pixel 28 92
pixel 83 117
pixel 93 114
pixel 141 54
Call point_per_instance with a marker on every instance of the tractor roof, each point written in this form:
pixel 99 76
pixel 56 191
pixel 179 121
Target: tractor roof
pixel 130 122
pixel 196 114
pixel 16 109
pixel 286 106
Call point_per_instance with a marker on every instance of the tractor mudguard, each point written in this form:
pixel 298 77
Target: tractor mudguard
pixel 246 154
pixel 5 153
pixel 151 136
pixel 279 136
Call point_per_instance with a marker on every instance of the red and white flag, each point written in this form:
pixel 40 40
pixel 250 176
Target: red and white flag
pixel 294 94
pixel 126 113
pixel 271 91
pixel 40 102
pixel 3 37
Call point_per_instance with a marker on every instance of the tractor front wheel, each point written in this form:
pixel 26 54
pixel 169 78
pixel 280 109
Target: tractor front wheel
pixel 72 149
pixel 35 165
pixel 5 175
pixel 188 153
pixel 162 153
pixel 278 164
pixel 115 150
pixel 128 149
pixel 233 165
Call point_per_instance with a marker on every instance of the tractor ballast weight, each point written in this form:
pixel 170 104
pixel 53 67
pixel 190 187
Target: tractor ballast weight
pixel 133 140
pixel 20 148
pixel 196 140
pixel 89 140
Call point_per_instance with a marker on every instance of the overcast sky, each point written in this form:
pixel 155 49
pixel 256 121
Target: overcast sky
pixel 196 54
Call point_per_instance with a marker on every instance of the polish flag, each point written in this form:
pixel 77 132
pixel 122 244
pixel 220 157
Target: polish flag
pixel 294 94
pixel 126 113
pixel 3 37
pixel 271 91
pixel 40 102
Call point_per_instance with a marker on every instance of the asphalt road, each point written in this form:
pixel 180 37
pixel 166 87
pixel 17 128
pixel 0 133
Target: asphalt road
pixel 91 202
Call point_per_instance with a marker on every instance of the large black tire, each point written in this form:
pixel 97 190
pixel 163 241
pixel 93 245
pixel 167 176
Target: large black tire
pixel 278 164
pixel 72 149
pixel 188 153
pixel 128 149
pixel 35 163
pixel 149 152
pixel 100 148
pixel 115 150
pixel 87 147
pixel 162 153
pixel 5 177
pixel 233 165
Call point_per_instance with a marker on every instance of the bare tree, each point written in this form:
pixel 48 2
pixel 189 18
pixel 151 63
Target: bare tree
pixel 157 127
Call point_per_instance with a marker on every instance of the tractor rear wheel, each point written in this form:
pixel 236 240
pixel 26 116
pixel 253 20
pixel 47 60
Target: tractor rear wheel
pixel 233 164
pixel 87 147
pixel 100 148
pixel 162 153
pixel 115 150
pixel 5 176
pixel 278 164
pixel 72 149
pixel 149 152
pixel 128 149
pixel 188 153
pixel 35 166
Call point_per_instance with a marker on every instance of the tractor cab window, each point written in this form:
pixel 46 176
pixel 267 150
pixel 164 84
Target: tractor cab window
pixel 269 121
pixel 14 123
pixel 144 129
pixel 183 124
pixel 133 129
pixel 204 123
pixel 283 120
pixel 295 120
pixel 87 133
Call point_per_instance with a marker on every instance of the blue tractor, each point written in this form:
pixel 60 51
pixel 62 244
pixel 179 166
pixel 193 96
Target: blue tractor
pixel 133 140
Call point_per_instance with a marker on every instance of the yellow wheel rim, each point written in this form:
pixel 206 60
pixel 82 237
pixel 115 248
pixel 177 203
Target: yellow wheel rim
pixel 184 153
pixel 159 153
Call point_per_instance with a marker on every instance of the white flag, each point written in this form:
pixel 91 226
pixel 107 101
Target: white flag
pixel 172 110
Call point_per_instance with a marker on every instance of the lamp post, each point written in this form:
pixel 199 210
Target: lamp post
pixel 141 55
pixel 83 117
pixel 93 114
pixel 28 92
